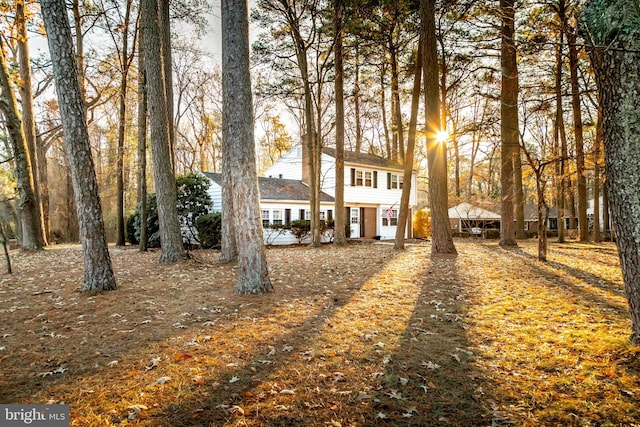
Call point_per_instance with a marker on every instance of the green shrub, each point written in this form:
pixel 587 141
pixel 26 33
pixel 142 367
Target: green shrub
pixel 301 229
pixel 153 224
pixel 131 230
pixel 209 227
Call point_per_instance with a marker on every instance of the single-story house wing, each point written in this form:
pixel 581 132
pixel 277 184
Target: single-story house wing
pixel 281 202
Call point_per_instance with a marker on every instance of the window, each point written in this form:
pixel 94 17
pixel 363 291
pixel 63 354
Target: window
pixel 394 181
pixel 277 216
pixel 307 215
pixel 323 215
pixel 389 217
pixel 265 217
pixel 364 178
pixel 355 216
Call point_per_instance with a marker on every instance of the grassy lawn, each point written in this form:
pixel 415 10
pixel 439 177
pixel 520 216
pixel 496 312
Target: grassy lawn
pixel 356 336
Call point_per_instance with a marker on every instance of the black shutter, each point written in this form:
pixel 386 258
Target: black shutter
pixel 353 177
pixel 388 180
pixel 301 214
pixel 375 179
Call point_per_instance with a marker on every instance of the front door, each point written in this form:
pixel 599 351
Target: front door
pixel 354 220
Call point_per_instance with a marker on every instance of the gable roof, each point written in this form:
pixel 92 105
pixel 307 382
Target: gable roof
pixel 364 159
pixel 468 211
pixel 278 189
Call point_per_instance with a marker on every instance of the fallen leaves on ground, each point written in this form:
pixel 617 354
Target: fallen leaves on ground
pixel 360 335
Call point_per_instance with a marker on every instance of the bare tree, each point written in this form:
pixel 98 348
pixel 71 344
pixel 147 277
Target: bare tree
pixel 238 139
pixel 170 234
pixel 509 122
pixel 27 202
pixel 98 274
pixel 442 240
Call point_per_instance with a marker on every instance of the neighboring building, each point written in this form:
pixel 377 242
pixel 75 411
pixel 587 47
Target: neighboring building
pixel 466 218
pixel 373 187
pixel 531 218
pixel 281 201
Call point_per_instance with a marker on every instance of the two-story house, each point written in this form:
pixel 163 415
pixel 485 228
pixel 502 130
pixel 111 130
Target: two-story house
pixel 373 187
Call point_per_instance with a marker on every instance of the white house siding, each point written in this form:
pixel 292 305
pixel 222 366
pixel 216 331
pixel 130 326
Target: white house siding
pixel 273 237
pixel 289 166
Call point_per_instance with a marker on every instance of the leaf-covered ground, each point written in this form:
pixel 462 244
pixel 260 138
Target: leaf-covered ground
pixel 362 335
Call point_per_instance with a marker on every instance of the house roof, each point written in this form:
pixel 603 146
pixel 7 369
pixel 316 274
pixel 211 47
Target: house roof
pixel 278 189
pixel 364 159
pixel 468 211
pixel 531 212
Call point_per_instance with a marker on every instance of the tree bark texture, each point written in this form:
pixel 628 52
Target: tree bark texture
pixel 442 239
pixel 170 233
pixel 561 139
pixel 403 215
pixel 518 194
pixel 125 62
pixel 509 122
pixel 611 28
pixel 165 42
pixel 98 273
pixel 27 203
pixel 340 218
pixel 142 146
pixel 583 223
pixel 28 120
pixel 237 133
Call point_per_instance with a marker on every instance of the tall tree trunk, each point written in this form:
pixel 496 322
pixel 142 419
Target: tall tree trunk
pixel 27 203
pixel 356 100
pixel 340 222
pixel 442 240
pixel 43 184
pixel 122 119
pixel 571 202
pixel 583 223
pixel 165 43
pixel 403 215
pixel 615 56
pixel 170 233
pixel 509 122
pixel 142 146
pixel 518 195
pixel 28 120
pixel 596 179
pixel 561 139
pixel 606 209
pixel 237 128
pixel 98 274
pixel 383 107
pixel 79 52
pixel 398 140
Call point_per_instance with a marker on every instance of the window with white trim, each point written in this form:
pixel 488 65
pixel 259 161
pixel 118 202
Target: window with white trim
pixel 277 217
pixel 389 217
pixel 394 181
pixel 364 178
pixel 265 217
